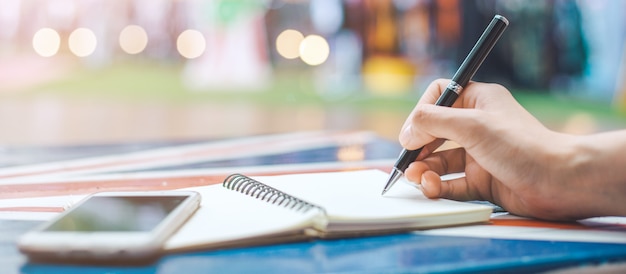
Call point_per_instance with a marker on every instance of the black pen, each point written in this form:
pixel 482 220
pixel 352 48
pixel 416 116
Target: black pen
pixel 460 79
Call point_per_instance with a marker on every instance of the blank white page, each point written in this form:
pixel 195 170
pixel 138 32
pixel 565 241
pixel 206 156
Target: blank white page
pixel 356 196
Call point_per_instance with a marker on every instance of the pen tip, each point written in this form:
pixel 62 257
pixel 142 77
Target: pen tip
pixel 394 176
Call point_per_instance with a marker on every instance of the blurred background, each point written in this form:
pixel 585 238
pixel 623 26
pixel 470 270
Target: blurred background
pixel 103 71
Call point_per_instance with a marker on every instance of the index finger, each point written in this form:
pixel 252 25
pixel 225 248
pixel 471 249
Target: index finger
pixel 434 91
pixel 431 95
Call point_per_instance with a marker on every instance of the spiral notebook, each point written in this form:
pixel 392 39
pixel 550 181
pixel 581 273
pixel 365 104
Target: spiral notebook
pixel 246 211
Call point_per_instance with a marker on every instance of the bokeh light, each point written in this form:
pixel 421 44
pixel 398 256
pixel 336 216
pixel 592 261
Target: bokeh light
pixel 388 75
pixel 133 39
pixel 288 43
pixel 46 42
pixel 191 44
pixel 351 153
pixel 82 42
pixel 314 50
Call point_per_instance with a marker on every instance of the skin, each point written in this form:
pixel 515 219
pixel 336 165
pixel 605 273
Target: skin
pixel 511 159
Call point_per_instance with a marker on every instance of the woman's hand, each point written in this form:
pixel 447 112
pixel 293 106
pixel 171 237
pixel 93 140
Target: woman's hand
pixel 509 157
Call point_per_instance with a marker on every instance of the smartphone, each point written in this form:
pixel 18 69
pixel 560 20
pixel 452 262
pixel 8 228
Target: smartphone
pixel 123 227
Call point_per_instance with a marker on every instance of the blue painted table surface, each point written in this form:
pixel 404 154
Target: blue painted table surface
pixel 399 253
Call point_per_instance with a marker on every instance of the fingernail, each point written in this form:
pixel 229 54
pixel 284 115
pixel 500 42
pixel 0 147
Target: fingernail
pixel 417 185
pixel 423 182
pixel 420 187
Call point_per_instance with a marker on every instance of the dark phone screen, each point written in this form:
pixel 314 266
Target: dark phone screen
pixel 109 214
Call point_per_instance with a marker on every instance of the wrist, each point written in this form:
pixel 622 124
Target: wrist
pixel 576 160
pixel 593 175
pixel 567 168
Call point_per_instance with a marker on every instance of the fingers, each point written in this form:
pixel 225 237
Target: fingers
pixel 477 101
pixel 430 96
pixel 427 174
pixel 413 135
pixel 475 122
pixel 431 184
pixel 456 189
pixel 443 162
pixel 428 122
pixel 433 91
pixel 433 187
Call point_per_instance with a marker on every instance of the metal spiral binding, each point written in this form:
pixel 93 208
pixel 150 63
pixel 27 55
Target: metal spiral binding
pixel 256 189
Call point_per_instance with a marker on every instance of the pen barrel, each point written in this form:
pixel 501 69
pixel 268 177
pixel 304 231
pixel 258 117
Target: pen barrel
pixel 480 51
pixel 406 158
pixel 447 98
